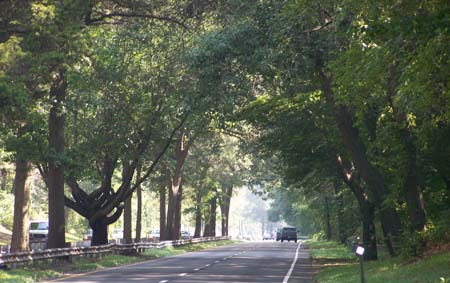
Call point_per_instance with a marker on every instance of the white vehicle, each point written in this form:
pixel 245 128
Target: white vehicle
pixel 38 230
pixel 153 235
pixel 185 235
pixel 117 234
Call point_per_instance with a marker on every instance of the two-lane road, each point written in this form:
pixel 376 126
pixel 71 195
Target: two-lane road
pixel 243 262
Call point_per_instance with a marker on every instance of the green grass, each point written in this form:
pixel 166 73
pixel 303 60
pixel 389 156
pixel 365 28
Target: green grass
pixel 26 274
pixel 431 269
pixel 329 250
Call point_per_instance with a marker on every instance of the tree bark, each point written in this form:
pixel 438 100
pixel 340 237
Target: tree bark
pixel 127 220
pixel 198 210
pixel 225 208
pixel 162 213
pixel 198 215
pixel 127 211
pixel 366 207
pixel 213 215
pixel 171 204
pixel 175 189
pixel 198 203
pixel 139 207
pixel 99 232
pixel 177 215
pixel 56 232
pixel 20 236
pixel 390 221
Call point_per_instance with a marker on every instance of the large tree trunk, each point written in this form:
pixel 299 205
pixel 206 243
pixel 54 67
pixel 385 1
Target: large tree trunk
pixel 210 221
pixel 225 208
pixel 390 221
pixel 213 216
pixel 139 207
pixel 99 232
pixel 128 210
pixel 198 211
pixel 20 236
pixel 162 213
pixel 56 232
pixel 127 220
pixel 366 207
pixel 171 203
pixel 177 216
pixel 369 233
pixel 198 215
pixel 175 188
pixel 198 203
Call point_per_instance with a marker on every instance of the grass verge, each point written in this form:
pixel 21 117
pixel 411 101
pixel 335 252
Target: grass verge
pixel 329 250
pixel 28 274
pixel 434 269
pixel 431 269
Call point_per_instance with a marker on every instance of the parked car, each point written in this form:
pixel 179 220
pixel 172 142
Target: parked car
pixel 88 235
pixel 289 234
pixel 153 235
pixel 117 234
pixel 278 234
pixel 185 235
pixel 267 236
pixel 38 230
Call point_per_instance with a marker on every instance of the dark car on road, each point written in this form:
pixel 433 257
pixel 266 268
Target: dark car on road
pixel 289 234
pixel 278 234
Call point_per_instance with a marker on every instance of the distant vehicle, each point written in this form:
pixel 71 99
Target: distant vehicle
pixel 278 234
pixel 38 230
pixel 117 234
pixel 289 234
pixel 153 235
pixel 88 235
pixel 267 236
pixel 185 235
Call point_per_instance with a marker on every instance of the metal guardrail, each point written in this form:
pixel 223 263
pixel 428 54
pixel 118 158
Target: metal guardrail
pixel 13 260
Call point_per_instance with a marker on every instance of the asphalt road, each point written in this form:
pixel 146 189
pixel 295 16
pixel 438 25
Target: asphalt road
pixel 267 261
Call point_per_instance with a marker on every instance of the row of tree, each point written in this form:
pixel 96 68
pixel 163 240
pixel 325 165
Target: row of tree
pixel 100 97
pixel 355 101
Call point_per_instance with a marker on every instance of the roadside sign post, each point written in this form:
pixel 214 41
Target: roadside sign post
pixel 360 252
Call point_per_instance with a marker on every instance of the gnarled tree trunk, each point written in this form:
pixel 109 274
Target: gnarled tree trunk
pixel 366 207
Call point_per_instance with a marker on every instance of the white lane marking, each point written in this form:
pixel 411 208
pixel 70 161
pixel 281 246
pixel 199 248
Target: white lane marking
pixel 286 278
pixel 163 281
pixel 207 265
pixel 217 261
pixel 182 274
pixel 196 269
